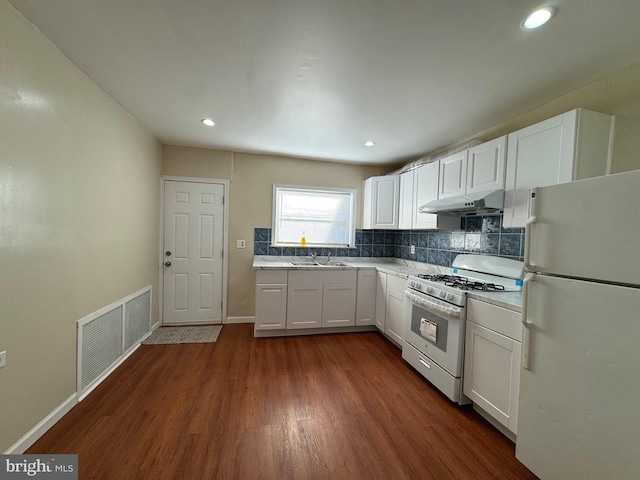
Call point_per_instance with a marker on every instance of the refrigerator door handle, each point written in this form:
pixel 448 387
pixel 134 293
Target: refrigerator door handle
pixel 526 330
pixel 533 218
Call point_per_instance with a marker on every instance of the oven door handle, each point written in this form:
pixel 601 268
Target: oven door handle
pixel 451 310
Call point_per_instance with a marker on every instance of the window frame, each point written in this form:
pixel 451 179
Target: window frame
pixel 325 190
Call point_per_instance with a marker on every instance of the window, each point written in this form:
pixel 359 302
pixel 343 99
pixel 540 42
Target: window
pixel 323 216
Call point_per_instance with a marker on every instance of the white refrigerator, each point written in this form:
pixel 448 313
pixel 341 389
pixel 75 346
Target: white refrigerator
pixel 579 410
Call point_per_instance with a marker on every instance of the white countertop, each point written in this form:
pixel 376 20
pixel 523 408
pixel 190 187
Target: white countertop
pixel 392 266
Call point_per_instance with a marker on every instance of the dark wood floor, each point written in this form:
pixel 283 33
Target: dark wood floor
pixel 317 407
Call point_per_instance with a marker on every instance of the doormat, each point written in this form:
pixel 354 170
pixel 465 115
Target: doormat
pixel 168 335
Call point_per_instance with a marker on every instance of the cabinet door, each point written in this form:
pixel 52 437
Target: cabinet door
pixel 395 316
pixel 271 307
pixel 366 297
pixel 486 166
pixel 381 300
pixel 406 201
pixel 425 189
pixel 380 205
pixel 304 305
pixel 453 175
pixel 535 159
pixel 492 373
pixel 339 305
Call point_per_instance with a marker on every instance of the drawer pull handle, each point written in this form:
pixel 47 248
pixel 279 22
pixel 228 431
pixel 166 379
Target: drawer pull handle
pixel 424 362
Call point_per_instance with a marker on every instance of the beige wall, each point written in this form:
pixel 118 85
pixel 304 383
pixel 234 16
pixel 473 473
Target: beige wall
pixel 251 179
pixel 616 94
pixel 79 196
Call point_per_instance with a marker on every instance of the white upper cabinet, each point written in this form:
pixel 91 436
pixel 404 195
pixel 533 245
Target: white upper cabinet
pixel 477 169
pixel 417 187
pixel 405 220
pixel 486 166
pixel 425 189
pixel 453 175
pixel 380 204
pixel 571 146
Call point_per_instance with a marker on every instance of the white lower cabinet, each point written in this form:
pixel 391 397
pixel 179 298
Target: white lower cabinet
pixel 304 305
pixel 339 305
pixel 395 315
pixel 366 297
pixel 381 301
pixel 271 300
pixel 321 299
pixel 390 306
pixel 492 361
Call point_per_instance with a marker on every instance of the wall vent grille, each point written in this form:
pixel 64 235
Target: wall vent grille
pixel 137 319
pixel 106 337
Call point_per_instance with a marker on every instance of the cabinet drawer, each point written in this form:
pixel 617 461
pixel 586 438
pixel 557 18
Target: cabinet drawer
pixel 430 370
pixel 504 321
pixel 271 276
pixel 320 276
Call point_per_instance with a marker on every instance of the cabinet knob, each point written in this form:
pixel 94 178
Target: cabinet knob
pixel 167 264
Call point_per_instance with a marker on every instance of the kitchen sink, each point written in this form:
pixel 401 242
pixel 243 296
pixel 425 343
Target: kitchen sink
pixel 317 264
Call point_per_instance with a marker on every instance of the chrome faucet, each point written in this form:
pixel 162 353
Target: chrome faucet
pixel 328 258
pixel 314 257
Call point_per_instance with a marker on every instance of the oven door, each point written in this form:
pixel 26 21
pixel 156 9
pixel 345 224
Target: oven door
pixel 436 329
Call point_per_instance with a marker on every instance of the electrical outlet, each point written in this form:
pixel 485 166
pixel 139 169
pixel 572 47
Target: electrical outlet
pixel 241 244
pixel 412 250
pixel 3 359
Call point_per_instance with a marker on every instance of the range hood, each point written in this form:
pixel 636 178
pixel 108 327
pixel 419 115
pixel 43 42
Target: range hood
pixel 478 203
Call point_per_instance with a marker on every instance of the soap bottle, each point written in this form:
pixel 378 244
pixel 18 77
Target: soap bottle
pixel 303 241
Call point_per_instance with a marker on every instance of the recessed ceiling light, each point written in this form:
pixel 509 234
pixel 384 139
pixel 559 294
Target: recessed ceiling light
pixel 369 143
pixel 537 18
pixel 208 122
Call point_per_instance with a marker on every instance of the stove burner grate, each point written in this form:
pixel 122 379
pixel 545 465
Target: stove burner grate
pixel 463 283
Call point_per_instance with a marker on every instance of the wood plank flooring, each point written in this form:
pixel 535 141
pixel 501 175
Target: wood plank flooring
pixel 342 406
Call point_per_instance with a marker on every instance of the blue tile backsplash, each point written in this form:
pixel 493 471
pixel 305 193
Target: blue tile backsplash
pixel 477 234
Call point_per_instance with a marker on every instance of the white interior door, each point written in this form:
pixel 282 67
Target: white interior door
pixel 193 249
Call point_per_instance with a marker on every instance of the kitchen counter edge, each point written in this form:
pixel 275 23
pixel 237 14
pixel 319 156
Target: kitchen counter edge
pixel 392 266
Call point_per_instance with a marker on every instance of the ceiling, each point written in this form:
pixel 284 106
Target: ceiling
pixel 316 79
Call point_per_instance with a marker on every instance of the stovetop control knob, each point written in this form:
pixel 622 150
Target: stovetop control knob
pixel 429 289
pixel 443 294
pixel 449 296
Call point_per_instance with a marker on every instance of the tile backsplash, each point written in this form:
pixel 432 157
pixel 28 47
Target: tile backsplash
pixel 477 234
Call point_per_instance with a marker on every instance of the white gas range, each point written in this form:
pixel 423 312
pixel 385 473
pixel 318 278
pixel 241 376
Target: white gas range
pixel 435 316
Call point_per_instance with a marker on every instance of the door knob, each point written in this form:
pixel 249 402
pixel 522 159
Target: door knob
pixel 167 264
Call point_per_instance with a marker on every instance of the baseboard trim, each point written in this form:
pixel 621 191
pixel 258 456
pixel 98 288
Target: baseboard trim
pixel 312 331
pixel 240 320
pixel 43 426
